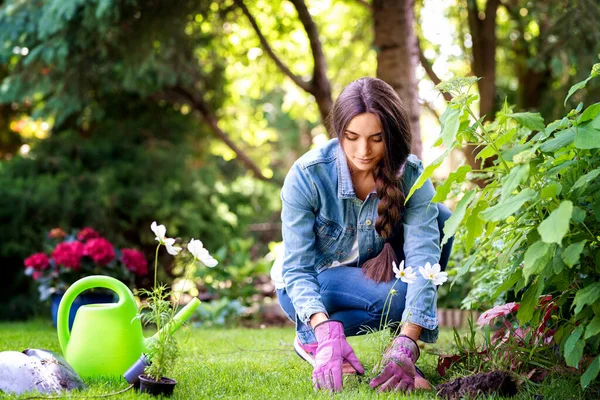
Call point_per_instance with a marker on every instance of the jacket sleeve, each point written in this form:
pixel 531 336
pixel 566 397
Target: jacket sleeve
pixel 421 246
pixel 299 202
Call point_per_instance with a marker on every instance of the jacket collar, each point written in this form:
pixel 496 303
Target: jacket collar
pixel 345 186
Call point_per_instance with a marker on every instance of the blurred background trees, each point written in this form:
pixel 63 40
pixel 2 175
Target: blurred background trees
pixel 114 114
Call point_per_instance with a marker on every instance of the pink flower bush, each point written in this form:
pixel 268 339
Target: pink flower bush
pixel 87 233
pixel 68 254
pixel 135 261
pixel 70 257
pixel 37 261
pixel 100 250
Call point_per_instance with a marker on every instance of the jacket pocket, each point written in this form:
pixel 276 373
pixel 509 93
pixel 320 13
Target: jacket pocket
pixel 326 232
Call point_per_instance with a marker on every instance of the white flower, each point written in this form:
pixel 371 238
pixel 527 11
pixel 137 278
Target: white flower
pixel 406 275
pixel 200 253
pixel 172 250
pixel 160 231
pixel 433 273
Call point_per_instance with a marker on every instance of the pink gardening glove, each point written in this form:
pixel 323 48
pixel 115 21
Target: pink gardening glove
pixel 399 366
pixel 332 351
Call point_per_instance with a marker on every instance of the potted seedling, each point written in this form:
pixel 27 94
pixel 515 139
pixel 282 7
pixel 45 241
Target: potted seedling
pixel 162 350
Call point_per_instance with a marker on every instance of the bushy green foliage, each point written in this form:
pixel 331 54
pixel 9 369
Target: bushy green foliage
pixel 536 224
pixel 238 272
pixel 148 165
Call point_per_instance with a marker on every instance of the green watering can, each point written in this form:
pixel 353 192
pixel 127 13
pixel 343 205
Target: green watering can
pixel 107 339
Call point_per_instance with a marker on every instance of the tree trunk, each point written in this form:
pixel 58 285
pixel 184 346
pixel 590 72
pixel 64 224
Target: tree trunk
pixel 482 25
pixel 398 57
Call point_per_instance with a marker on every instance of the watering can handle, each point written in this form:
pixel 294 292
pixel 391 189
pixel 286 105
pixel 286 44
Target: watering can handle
pixel 125 299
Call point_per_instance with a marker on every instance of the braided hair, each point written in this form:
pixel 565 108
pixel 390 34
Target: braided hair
pixel 372 95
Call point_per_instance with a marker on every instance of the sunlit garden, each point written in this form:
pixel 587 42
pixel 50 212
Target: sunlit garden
pixel 180 183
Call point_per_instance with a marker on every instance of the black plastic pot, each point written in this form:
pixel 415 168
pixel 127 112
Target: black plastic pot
pixel 132 375
pixel 164 385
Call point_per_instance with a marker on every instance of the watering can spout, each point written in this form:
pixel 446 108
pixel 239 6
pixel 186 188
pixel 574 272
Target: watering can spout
pixel 183 315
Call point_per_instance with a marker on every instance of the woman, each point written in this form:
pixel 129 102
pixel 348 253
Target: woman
pixel 343 214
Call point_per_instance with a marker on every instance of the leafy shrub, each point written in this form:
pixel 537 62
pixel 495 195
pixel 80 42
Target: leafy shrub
pixel 220 312
pixel 538 215
pixel 147 164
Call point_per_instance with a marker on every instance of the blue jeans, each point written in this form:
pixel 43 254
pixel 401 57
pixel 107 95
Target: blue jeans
pixel 356 301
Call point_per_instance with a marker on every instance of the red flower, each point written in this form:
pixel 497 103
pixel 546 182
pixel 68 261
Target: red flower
pixel 100 250
pixel 135 261
pixel 37 261
pixel 36 275
pixel 68 254
pixel 87 234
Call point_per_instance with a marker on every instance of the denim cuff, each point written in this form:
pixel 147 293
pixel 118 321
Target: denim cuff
pixel 309 309
pixel 430 331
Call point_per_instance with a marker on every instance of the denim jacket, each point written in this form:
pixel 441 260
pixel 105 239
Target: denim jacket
pixel 321 216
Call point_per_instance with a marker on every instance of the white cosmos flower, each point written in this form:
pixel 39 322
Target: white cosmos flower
pixel 433 273
pixel 200 253
pixel 160 231
pixel 406 275
pixel 172 250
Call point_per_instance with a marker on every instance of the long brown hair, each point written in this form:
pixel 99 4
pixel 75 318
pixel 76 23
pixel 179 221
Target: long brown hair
pixel 372 95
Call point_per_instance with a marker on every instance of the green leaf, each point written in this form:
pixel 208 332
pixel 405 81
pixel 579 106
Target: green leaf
pixel 571 254
pixel 585 179
pixel 475 224
pixel 557 263
pixel 509 283
pixel 427 172
pixel 591 373
pixel 508 206
pixel 588 295
pixel 575 88
pixel 457 176
pixel 530 301
pixel 556 125
pixel 587 137
pixel 562 139
pixel 457 216
pixel 556 226
pixel 510 182
pixel 463 269
pixel 578 215
pixel 551 190
pixel 533 121
pixel 537 256
pixel 593 327
pixel 574 347
pixel 450 121
pixel 589 113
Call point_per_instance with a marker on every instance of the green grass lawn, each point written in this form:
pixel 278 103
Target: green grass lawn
pixel 256 364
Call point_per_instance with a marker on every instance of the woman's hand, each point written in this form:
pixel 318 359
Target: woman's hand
pixel 332 351
pixel 399 366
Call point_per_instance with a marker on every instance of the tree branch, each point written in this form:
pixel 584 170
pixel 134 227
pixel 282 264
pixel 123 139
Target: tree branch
pixel 430 72
pixel 366 4
pixel 263 41
pixel 200 105
pixel 320 84
pixel 430 107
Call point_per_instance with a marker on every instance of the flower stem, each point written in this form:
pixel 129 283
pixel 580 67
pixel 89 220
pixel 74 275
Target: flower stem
pixel 156 264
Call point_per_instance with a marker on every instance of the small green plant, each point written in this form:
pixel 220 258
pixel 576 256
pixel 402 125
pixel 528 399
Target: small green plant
pixel 535 221
pixel 164 350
